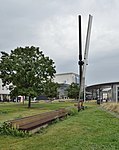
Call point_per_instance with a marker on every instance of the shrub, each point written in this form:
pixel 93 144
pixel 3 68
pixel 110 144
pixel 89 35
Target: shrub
pixel 72 111
pixel 7 129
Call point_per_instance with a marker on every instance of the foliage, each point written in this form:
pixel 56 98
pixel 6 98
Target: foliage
pixel 7 129
pixel 73 91
pixel 72 111
pixel 26 70
pixel 50 89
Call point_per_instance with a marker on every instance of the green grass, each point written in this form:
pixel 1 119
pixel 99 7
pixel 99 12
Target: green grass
pixel 10 111
pixel 91 129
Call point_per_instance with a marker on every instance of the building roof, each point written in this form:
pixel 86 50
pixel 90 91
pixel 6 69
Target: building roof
pixel 102 85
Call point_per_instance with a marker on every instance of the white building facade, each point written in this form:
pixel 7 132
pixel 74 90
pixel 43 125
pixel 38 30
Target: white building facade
pixel 67 78
pixel 4 92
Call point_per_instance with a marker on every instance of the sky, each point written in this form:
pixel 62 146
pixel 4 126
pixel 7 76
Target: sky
pixel 52 25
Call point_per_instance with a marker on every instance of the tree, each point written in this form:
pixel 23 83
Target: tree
pixel 27 69
pixel 73 91
pixel 50 89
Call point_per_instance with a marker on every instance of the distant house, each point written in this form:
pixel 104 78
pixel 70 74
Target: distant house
pixel 4 92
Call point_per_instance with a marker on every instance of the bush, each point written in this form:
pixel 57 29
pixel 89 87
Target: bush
pixel 72 111
pixel 7 129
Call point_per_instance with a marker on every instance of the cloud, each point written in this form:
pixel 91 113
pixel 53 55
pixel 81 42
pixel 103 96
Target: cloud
pixel 53 26
pixel 58 36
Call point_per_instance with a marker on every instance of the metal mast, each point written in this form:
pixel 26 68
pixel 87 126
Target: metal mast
pixel 82 64
pixel 86 51
pixel 80 61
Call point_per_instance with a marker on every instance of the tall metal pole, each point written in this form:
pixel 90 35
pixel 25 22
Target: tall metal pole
pixel 80 61
pixel 80 49
pixel 86 51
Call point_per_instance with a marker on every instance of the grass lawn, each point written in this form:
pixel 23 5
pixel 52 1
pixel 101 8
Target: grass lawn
pixel 10 111
pixel 91 129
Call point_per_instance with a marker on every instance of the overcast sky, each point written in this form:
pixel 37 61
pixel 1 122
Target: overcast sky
pixel 52 25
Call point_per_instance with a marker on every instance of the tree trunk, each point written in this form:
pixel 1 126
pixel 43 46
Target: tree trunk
pixel 29 103
pixel 23 99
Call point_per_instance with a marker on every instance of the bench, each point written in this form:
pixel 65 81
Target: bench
pixel 39 120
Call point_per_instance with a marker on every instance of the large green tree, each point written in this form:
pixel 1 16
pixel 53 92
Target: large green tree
pixel 27 70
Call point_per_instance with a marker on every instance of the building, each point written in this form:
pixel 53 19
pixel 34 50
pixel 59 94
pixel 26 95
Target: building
pixel 4 92
pixel 65 79
pixel 109 91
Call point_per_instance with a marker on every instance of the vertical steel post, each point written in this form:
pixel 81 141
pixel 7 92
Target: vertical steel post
pixel 80 61
pixel 80 49
pixel 86 51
